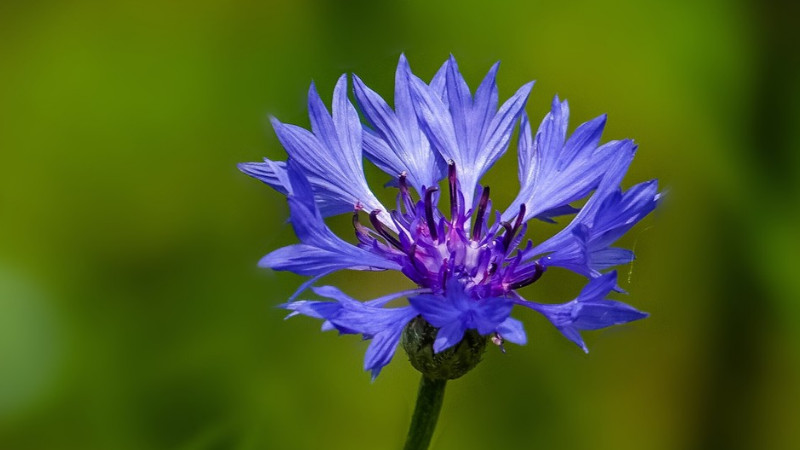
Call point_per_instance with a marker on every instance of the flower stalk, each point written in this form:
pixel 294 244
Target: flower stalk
pixel 426 413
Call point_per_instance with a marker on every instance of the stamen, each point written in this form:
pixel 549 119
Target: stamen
pixel 362 234
pixel 520 216
pixel 538 271
pixel 429 212
pixel 412 255
pixel 404 201
pixel 451 177
pixel 403 183
pixel 444 272
pixel 489 272
pixel 476 229
pixel 373 218
pixel 405 204
pixel 509 236
pixel 518 237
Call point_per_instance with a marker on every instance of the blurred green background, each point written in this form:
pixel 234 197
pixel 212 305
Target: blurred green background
pixel 132 313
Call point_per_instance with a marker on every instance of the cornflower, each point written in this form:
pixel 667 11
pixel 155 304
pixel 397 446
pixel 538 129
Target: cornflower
pixel 466 260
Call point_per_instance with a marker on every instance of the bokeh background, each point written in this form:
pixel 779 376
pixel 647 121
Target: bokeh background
pixel 132 313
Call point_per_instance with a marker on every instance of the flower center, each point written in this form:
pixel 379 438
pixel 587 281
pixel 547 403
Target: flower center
pixel 432 248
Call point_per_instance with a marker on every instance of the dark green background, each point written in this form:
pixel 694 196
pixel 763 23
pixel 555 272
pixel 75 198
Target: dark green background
pixel 132 314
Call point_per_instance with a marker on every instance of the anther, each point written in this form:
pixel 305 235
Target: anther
pixel 538 271
pixel 404 199
pixel 444 272
pixel 412 255
pixel 489 272
pixel 520 216
pixel 373 218
pixel 361 230
pixel 403 183
pixel 476 229
pixel 429 212
pixel 451 177
pixel 509 236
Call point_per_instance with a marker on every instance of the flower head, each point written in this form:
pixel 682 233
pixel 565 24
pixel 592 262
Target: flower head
pixel 466 259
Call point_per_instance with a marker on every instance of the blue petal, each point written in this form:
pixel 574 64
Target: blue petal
pixel 365 318
pixel 495 138
pixel 434 118
pixel 309 260
pixel 439 81
pixel 598 288
pixel 383 326
pixel 491 313
pixel 306 219
pixel 586 136
pixel 322 122
pixel 460 102
pixel 315 309
pixel 334 293
pixel 397 144
pixel 610 257
pixel 605 313
pixel 382 349
pixel 621 211
pixel 347 126
pixel 381 117
pixel 574 336
pixel 437 310
pixel 486 98
pixel 571 251
pixel 550 139
pixel 584 245
pixel 271 173
pixel 609 220
pixel 512 330
pixel 403 103
pixel 381 301
pixel 448 336
pixel 320 250
pixel 331 155
pixel 555 171
pixel 458 307
pixel 548 215
pixel 610 184
pixel 590 311
pixel 471 133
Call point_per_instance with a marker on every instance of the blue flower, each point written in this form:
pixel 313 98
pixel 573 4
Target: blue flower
pixel 467 261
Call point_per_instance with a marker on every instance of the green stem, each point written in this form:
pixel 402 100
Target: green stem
pixel 429 402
